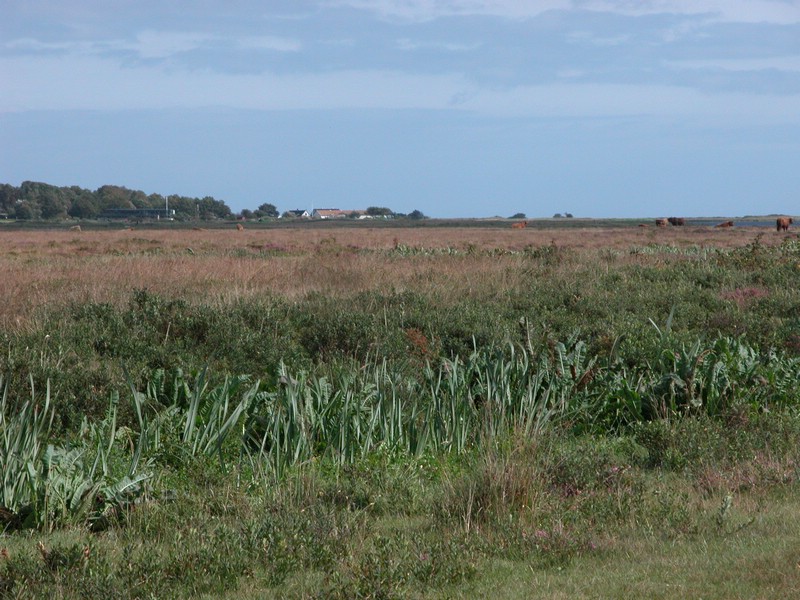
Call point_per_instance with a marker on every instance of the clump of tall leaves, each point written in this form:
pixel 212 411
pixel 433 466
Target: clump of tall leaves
pixel 24 434
pixel 188 414
pixel 46 484
pixel 348 412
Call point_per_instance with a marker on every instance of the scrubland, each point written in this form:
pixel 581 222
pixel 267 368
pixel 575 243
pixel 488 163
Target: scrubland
pixel 381 412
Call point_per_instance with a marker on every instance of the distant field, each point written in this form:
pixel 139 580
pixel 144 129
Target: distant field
pixel 53 266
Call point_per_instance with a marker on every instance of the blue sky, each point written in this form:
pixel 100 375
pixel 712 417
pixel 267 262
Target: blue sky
pixel 457 108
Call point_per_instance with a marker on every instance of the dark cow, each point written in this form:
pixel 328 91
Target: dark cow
pixel 661 222
pixel 783 223
pixel 677 221
pixel 725 224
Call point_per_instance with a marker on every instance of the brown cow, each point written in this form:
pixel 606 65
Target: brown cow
pixel 520 225
pixel 239 227
pixel 725 224
pixel 677 221
pixel 661 222
pixel 783 223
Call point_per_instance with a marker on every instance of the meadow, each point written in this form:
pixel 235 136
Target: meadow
pixel 359 411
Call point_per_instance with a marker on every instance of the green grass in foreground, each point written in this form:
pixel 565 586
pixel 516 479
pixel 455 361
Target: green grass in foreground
pixel 760 561
pixel 548 516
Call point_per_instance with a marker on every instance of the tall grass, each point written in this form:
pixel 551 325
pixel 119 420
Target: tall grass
pixel 347 413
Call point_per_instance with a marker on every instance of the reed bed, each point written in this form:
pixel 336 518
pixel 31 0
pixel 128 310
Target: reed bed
pixel 44 270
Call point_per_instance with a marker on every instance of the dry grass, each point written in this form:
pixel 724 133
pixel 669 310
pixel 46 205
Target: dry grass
pixel 42 270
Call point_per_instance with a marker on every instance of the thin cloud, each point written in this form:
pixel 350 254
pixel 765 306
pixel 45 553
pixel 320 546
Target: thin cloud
pixel 586 37
pixel 742 11
pixel 427 10
pixel 586 100
pixel 739 11
pixel 154 44
pixel 570 73
pixel 789 64
pixel 78 83
pixel 146 44
pixel 58 83
pixel 35 45
pixel 410 45
pixel 277 44
pixel 161 44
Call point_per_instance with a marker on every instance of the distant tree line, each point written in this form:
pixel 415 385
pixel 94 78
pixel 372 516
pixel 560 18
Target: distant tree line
pixel 34 200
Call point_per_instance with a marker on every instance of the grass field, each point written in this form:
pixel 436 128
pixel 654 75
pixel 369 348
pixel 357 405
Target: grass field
pixel 389 412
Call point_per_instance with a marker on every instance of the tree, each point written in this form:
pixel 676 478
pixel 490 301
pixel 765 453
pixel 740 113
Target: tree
pixel 34 200
pixel 8 197
pixel 211 208
pixel 267 210
pixel 379 211
pixel 81 203
pixel 84 207
pixel 27 209
pixel 416 214
pixel 557 216
pixel 185 208
pixel 46 201
pixel 247 213
pixel 518 216
pixel 140 200
pixel 114 196
pixel 53 206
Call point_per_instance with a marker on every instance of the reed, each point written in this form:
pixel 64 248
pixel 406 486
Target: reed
pixel 46 270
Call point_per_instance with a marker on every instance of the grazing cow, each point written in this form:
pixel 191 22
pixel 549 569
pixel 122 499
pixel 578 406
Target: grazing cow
pixel 782 224
pixel 520 225
pixel 725 224
pixel 75 228
pixel 661 222
pixel 677 221
pixel 239 227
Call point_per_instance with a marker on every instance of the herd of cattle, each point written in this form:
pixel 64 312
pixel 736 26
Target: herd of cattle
pixel 674 221
pixel 782 223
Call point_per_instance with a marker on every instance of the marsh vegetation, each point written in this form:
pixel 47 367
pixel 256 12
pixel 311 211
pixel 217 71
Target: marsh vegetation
pixel 399 412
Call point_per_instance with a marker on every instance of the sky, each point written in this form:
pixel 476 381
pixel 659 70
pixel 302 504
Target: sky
pixel 456 108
